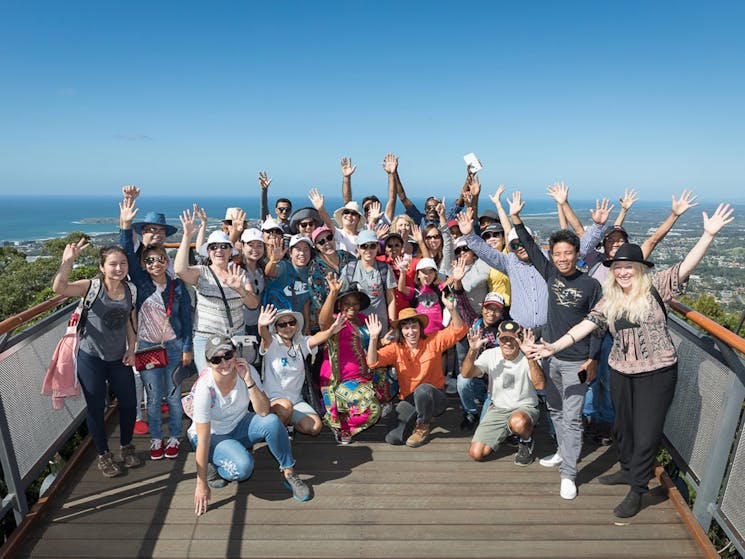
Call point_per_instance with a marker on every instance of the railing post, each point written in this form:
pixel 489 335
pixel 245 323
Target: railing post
pixel 707 495
pixel 16 492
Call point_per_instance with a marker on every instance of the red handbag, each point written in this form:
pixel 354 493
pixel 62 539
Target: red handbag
pixel 155 357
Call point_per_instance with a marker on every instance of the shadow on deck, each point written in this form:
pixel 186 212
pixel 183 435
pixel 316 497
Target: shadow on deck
pixel 370 499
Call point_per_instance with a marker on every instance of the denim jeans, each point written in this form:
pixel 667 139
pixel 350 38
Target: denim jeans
pixel 231 454
pixel 158 383
pixel 93 374
pixel 200 343
pixel 598 403
pixel 472 393
pixel 421 405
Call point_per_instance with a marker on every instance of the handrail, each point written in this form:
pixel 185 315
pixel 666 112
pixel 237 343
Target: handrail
pixel 709 326
pixel 10 324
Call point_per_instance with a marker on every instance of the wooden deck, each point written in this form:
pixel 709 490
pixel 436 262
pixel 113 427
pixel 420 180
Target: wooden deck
pixel 370 499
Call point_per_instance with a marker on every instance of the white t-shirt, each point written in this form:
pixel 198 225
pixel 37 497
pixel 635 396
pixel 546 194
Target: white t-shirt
pixel 345 241
pixel 510 382
pixel 223 413
pixel 284 369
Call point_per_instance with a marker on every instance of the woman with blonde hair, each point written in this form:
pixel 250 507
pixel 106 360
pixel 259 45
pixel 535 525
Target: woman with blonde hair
pixel 643 361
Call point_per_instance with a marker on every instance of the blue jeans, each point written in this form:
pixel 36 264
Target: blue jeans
pixel 598 403
pixel 93 373
pixel 158 383
pixel 472 393
pixel 231 455
pixel 200 343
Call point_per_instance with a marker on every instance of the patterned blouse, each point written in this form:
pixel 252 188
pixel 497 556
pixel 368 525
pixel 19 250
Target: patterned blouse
pixel 645 347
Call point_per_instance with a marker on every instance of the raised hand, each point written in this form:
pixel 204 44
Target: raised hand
pixel 721 217
pixel 684 203
pixel 496 198
pixel 335 284
pixel 458 268
pixel 187 222
pixel 201 213
pixel 416 232
pixel 130 192
pixel 234 278
pixel 373 212
pixel 276 251
pixel 559 192
pixel 465 221
pixel 448 302
pixel 402 263
pixel 267 315
pixel 390 163
pixel 382 231
pixel 475 186
pixel 338 324
pixel 441 210
pixel 516 203
pixel 475 341
pixel 601 212
pixel 374 326
pixel 264 181
pixel 73 250
pixel 347 169
pixel 316 198
pixel 528 342
pixel 629 198
pixel 238 222
pixel 127 212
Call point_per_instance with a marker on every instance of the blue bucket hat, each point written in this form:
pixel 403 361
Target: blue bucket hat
pixel 154 218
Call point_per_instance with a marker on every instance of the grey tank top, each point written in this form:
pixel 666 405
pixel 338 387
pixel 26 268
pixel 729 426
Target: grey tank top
pixel 105 334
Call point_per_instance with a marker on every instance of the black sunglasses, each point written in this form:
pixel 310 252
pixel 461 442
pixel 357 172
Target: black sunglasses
pixel 217 359
pixel 303 224
pixel 461 250
pixel 154 259
pixel 215 246
pixel 287 323
pixel 487 236
pixel 284 209
pixel 369 246
pixel 327 239
pixel 349 212
pixel 433 237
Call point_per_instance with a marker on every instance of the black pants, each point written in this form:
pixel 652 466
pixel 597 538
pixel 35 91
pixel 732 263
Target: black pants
pixel 641 403
pixel 422 405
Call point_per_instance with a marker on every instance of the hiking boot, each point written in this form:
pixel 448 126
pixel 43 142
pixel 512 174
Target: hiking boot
pixel 419 436
pixel 630 506
pixel 129 456
pixel 214 480
pixel 108 467
pixel 172 448
pixel 300 491
pixel 621 477
pixel 470 420
pixel 156 449
pixel 524 454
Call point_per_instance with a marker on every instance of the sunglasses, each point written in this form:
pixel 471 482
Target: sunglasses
pixel 350 212
pixel 287 323
pixel 154 229
pixel 217 359
pixel 274 232
pixel 515 245
pixel 487 236
pixel 284 209
pixel 327 239
pixel 430 207
pixel 221 246
pixel 461 250
pixel 369 246
pixel 154 259
pixel 433 237
pixel 306 224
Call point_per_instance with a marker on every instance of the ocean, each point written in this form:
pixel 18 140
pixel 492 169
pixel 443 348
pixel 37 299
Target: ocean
pixel 32 218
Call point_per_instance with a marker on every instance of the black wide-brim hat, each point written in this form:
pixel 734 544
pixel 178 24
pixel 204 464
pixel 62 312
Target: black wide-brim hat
pixel 628 252
pixel 353 289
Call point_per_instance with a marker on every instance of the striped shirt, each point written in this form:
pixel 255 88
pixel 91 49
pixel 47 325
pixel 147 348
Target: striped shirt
pixel 211 316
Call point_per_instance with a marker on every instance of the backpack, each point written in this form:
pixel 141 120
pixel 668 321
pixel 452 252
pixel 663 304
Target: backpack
pixel 86 302
pixel 382 268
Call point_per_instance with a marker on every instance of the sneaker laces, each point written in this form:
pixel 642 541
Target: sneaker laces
pixel 156 444
pixel 172 442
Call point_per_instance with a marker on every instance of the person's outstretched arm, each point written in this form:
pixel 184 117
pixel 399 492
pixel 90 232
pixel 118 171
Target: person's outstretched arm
pixel 628 199
pixel 390 165
pixel 504 218
pixel 560 193
pixel 680 206
pixel 318 201
pixel 712 225
pixel 189 274
pixel 347 170
pixel 264 183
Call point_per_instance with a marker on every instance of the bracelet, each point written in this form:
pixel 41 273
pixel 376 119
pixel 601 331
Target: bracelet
pixel 250 387
pixel 573 340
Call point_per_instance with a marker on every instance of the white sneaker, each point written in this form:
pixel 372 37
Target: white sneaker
pixel 551 461
pixel 568 489
pixel 451 385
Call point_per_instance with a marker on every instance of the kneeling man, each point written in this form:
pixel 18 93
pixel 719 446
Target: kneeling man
pixel 513 380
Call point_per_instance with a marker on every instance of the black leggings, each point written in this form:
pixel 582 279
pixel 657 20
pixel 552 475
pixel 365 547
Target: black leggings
pixel 641 403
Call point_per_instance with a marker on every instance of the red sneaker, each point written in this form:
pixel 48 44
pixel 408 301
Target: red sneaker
pixel 172 448
pixel 141 427
pixel 156 449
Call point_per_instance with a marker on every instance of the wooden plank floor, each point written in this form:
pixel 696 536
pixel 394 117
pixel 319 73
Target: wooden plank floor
pixel 370 500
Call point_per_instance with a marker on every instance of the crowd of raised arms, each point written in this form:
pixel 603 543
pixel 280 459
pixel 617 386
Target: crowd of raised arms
pixel 343 317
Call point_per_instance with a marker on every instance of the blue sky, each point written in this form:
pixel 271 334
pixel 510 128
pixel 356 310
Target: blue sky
pixel 196 97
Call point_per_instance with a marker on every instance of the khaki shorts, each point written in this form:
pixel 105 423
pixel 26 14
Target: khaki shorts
pixel 495 425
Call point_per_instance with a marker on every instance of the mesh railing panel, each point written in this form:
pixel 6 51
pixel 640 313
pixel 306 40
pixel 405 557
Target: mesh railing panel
pixel 732 504
pixel 33 424
pixel 692 421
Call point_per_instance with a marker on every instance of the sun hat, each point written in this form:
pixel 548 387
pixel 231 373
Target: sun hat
pixel 628 252
pixel 512 235
pixel 301 214
pixel 318 231
pixel 353 206
pixel 510 329
pixel 426 263
pixel 366 236
pixel 217 237
pixel 407 314
pixel 251 234
pixel 460 242
pixel 353 289
pixel 284 313
pixel 295 239
pixel 494 298
pixel 216 344
pixel 154 218
pixel 181 373
pixel 270 224
pixel 230 213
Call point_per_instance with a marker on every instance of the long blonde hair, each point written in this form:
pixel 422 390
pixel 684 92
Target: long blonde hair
pixel 633 306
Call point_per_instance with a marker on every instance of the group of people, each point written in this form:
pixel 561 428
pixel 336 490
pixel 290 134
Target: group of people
pixel 341 319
